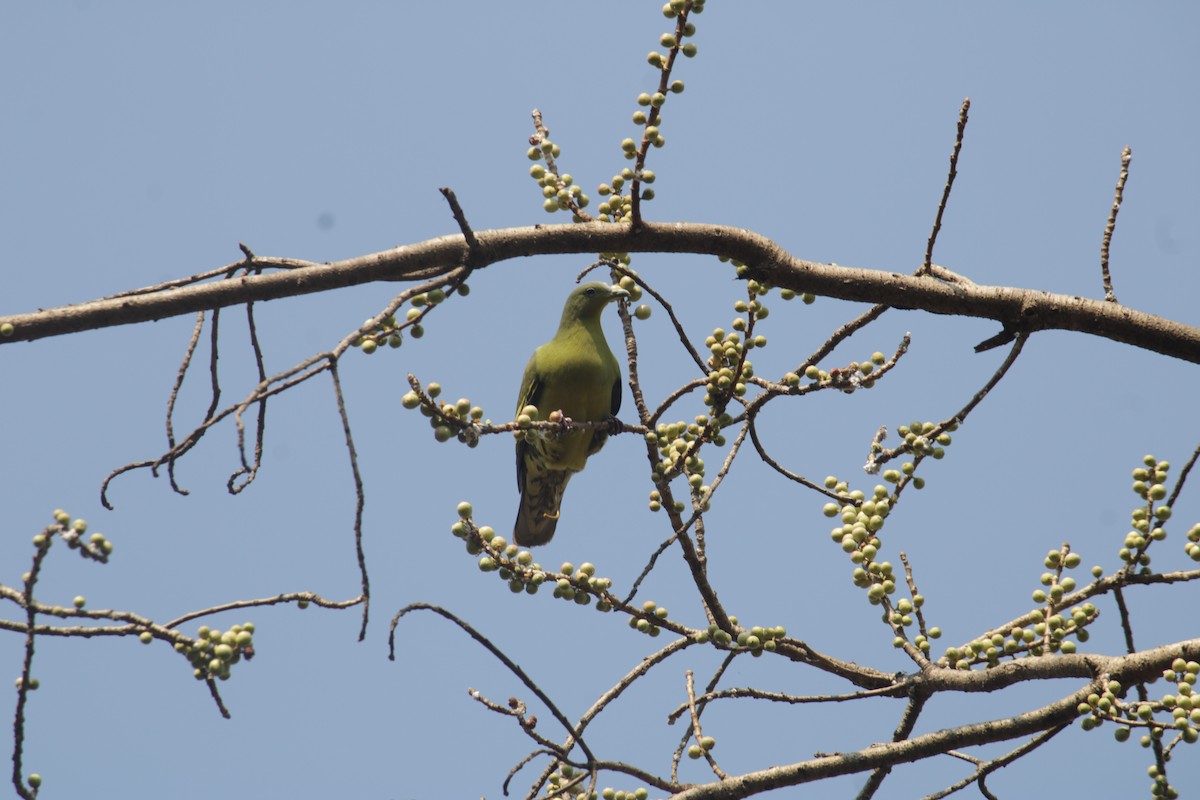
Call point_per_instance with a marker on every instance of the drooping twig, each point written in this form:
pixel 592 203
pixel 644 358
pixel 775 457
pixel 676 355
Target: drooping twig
pixel 250 470
pixel 24 684
pixel 282 381
pixel 180 374
pixel 359 498
pixel 641 668
pixel 499 654
pixel 215 692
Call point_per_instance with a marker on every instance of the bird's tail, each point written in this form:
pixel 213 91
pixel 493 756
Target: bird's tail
pixel 537 516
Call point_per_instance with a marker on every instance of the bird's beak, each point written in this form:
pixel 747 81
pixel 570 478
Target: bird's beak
pixel 618 293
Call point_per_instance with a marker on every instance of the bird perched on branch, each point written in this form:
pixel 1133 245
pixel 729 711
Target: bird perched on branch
pixel 577 374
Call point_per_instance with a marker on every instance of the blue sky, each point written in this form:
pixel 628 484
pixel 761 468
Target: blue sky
pixel 143 142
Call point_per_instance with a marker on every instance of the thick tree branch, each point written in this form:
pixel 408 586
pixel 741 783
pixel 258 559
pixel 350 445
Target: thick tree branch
pixel 1127 669
pixel 1018 309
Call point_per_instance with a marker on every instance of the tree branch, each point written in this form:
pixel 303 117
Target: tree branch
pixel 1024 309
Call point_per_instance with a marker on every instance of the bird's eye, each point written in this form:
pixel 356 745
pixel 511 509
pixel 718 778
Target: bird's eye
pixel 590 292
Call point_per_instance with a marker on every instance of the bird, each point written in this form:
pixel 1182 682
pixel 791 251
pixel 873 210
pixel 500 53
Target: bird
pixel 577 374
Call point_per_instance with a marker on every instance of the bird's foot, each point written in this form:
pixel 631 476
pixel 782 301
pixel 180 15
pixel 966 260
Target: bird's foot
pixel 612 425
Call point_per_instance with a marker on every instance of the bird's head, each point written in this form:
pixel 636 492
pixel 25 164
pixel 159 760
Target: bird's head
pixel 587 301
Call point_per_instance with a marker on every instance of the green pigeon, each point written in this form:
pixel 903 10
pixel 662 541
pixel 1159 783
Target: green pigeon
pixel 577 374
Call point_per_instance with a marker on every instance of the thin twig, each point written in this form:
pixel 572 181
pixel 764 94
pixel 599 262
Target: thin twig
pixel 775 465
pixel 359 498
pixel 180 374
pixel 747 692
pixel 282 381
pixel 876 459
pixel 499 654
pixel 635 194
pixel 927 265
pixel 215 692
pixel 696 732
pixel 1183 475
pixel 985 768
pixel 641 668
pixel 904 729
pixel 1118 195
pixel 662 301
pixel 251 470
pixel 841 334
pixel 461 219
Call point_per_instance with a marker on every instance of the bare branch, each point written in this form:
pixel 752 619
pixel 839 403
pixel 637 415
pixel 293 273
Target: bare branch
pixel 927 266
pixel 876 459
pixel 1024 309
pixel 696 732
pixel 908 721
pixel 359 499
pixel 1118 195
pixel 988 767
pixel 512 666
pixel 461 218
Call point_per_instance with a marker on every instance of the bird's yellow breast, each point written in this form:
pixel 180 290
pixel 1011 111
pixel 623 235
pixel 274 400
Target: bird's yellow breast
pixel 584 371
